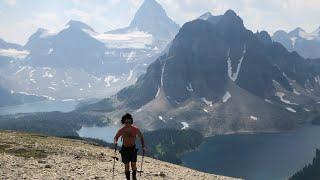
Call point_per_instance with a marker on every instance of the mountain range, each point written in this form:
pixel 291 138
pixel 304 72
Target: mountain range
pixel 78 62
pixel 306 44
pixel 219 77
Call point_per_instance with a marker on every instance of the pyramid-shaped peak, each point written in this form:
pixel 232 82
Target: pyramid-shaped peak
pixel 78 25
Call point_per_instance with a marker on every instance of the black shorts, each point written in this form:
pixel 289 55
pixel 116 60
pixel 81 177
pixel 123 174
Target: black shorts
pixel 128 154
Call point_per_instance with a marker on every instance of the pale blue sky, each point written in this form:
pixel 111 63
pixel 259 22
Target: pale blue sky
pixel 20 18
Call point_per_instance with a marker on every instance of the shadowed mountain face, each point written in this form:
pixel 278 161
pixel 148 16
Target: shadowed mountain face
pixel 306 44
pixel 219 77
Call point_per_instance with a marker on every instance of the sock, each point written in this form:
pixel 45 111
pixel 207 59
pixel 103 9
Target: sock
pixel 134 174
pixel 127 175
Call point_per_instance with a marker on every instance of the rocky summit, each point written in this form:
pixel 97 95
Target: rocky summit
pixel 33 156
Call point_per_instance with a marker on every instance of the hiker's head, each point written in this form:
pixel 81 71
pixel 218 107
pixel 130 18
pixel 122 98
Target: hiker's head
pixel 127 119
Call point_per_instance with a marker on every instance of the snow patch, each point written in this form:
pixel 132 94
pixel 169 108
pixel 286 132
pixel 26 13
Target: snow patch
pixel 13 53
pixel 33 81
pixel 158 92
pixel 208 103
pixel 226 97
pixel 268 101
pixel 291 109
pixel 306 109
pixel 162 73
pixel 234 76
pixel 296 92
pixel 47 74
pixel 30 94
pixel 254 118
pixel 66 100
pixel 110 79
pixel 20 70
pixel 276 82
pixel 130 75
pixel 135 39
pixel 185 125
pixel 189 87
pixel 50 51
pixel 31 73
pixel 130 56
pixel 293 41
pixel 161 118
pixel 281 96
pixel 205 110
pixel 317 79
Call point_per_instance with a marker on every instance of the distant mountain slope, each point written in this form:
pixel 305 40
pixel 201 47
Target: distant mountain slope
pixel 41 157
pixel 79 62
pixel 151 18
pixel 306 44
pixel 72 47
pixel 10 99
pixel 218 77
pixel 7 45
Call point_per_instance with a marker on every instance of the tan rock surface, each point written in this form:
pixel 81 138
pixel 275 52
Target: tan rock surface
pixel 31 156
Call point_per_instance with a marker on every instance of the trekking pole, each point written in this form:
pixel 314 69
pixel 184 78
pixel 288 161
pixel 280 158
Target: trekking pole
pixel 114 160
pixel 141 171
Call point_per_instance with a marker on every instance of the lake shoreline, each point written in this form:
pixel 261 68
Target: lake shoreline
pixel 235 150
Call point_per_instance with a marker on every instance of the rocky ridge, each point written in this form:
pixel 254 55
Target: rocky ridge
pixel 32 156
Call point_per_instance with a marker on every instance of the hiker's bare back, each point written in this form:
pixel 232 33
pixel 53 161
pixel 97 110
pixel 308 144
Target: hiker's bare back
pixel 129 134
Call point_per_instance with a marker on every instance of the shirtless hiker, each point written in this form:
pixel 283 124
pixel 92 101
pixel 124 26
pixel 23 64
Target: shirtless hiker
pixel 128 150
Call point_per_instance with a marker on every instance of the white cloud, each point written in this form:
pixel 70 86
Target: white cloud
pixel 11 2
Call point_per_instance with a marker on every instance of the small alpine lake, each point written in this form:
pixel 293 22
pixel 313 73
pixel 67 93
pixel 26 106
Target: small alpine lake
pixel 105 133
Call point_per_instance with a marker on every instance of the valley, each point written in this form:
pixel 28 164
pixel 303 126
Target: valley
pixel 210 93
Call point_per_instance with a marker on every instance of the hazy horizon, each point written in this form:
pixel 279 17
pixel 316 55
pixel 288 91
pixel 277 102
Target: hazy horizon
pixel 20 18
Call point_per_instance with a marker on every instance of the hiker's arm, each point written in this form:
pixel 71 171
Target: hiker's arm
pixel 141 139
pixel 119 133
